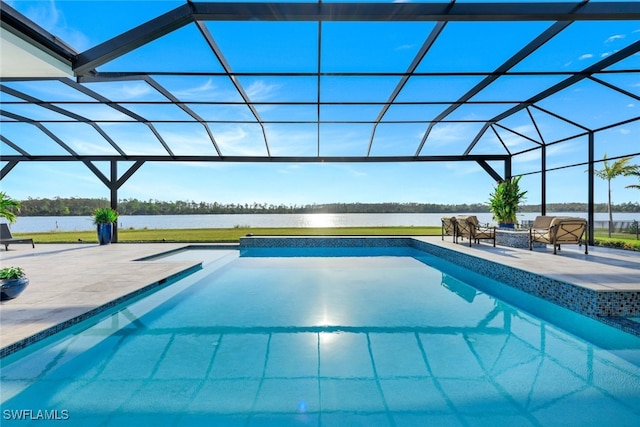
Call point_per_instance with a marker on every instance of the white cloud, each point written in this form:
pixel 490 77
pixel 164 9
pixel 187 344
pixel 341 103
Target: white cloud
pixel 462 168
pixel 100 112
pixel 196 92
pixel 528 157
pixel 135 90
pixel 405 47
pixel 295 141
pixel 67 173
pixel 614 38
pixel 131 138
pixel 585 56
pixel 624 131
pixel 241 140
pixel 119 91
pixel 259 90
pixel 447 133
pixel 188 140
pixel 575 146
pixel 48 16
pixel 287 169
pixel 235 134
pixel 205 165
pixel 342 168
pixel 83 146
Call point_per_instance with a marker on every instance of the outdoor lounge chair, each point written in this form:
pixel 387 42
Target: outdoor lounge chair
pixel 540 230
pixel 469 227
pixel 558 230
pixel 6 238
pixel 448 226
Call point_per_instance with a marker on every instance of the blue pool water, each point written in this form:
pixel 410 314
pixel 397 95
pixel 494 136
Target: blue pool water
pixel 377 336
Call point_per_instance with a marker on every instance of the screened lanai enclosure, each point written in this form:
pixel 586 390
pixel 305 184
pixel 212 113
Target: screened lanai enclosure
pixel 489 84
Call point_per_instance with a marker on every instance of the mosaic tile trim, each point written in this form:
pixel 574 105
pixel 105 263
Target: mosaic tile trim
pixel 615 304
pixel 595 304
pixel 19 345
pixel 515 239
pixel 325 242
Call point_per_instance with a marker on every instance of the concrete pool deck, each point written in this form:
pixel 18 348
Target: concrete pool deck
pixel 69 280
pixel 603 269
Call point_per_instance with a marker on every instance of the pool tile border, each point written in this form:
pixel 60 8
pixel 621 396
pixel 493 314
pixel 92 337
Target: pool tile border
pixel 608 306
pixel 323 242
pixel 19 345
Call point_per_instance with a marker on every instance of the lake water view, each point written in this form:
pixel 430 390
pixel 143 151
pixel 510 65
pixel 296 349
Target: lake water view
pixel 81 223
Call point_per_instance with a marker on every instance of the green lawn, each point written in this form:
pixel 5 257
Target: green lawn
pixel 225 234
pixel 618 240
pixel 604 234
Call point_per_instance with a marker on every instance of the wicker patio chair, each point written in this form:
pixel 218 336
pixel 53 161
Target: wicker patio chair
pixel 558 231
pixel 540 231
pixel 469 227
pixel 448 227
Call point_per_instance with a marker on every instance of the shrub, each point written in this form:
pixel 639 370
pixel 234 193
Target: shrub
pixel 10 273
pixel 105 216
pixel 618 244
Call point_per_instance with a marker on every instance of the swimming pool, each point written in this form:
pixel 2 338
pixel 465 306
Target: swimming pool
pixel 366 336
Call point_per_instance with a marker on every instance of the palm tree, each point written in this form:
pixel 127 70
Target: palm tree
pixel 635 172
pixel 613 170
pixel 7 206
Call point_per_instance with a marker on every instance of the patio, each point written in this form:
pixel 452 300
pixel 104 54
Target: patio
pixel 108 273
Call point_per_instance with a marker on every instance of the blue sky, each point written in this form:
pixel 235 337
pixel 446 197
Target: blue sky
pixel 347 47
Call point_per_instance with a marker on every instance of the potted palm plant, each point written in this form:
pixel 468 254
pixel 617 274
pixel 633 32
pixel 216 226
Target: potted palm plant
pixel 504 202
pixel 8 207
pixel 104 218
pixel 12 282
pixel 12 279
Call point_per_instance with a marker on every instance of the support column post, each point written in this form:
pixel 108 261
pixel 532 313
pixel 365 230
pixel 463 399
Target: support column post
pixel 591 186
pixel 507 169
pixel 543 181
pixel 113 187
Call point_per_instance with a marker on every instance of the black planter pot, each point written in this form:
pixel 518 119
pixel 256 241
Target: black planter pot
pixel 105 233
pixel 11 288
pixel 510 225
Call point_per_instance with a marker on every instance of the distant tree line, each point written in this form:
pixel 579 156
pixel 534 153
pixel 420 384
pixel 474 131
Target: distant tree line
pixel 84 207
pixel 627 207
